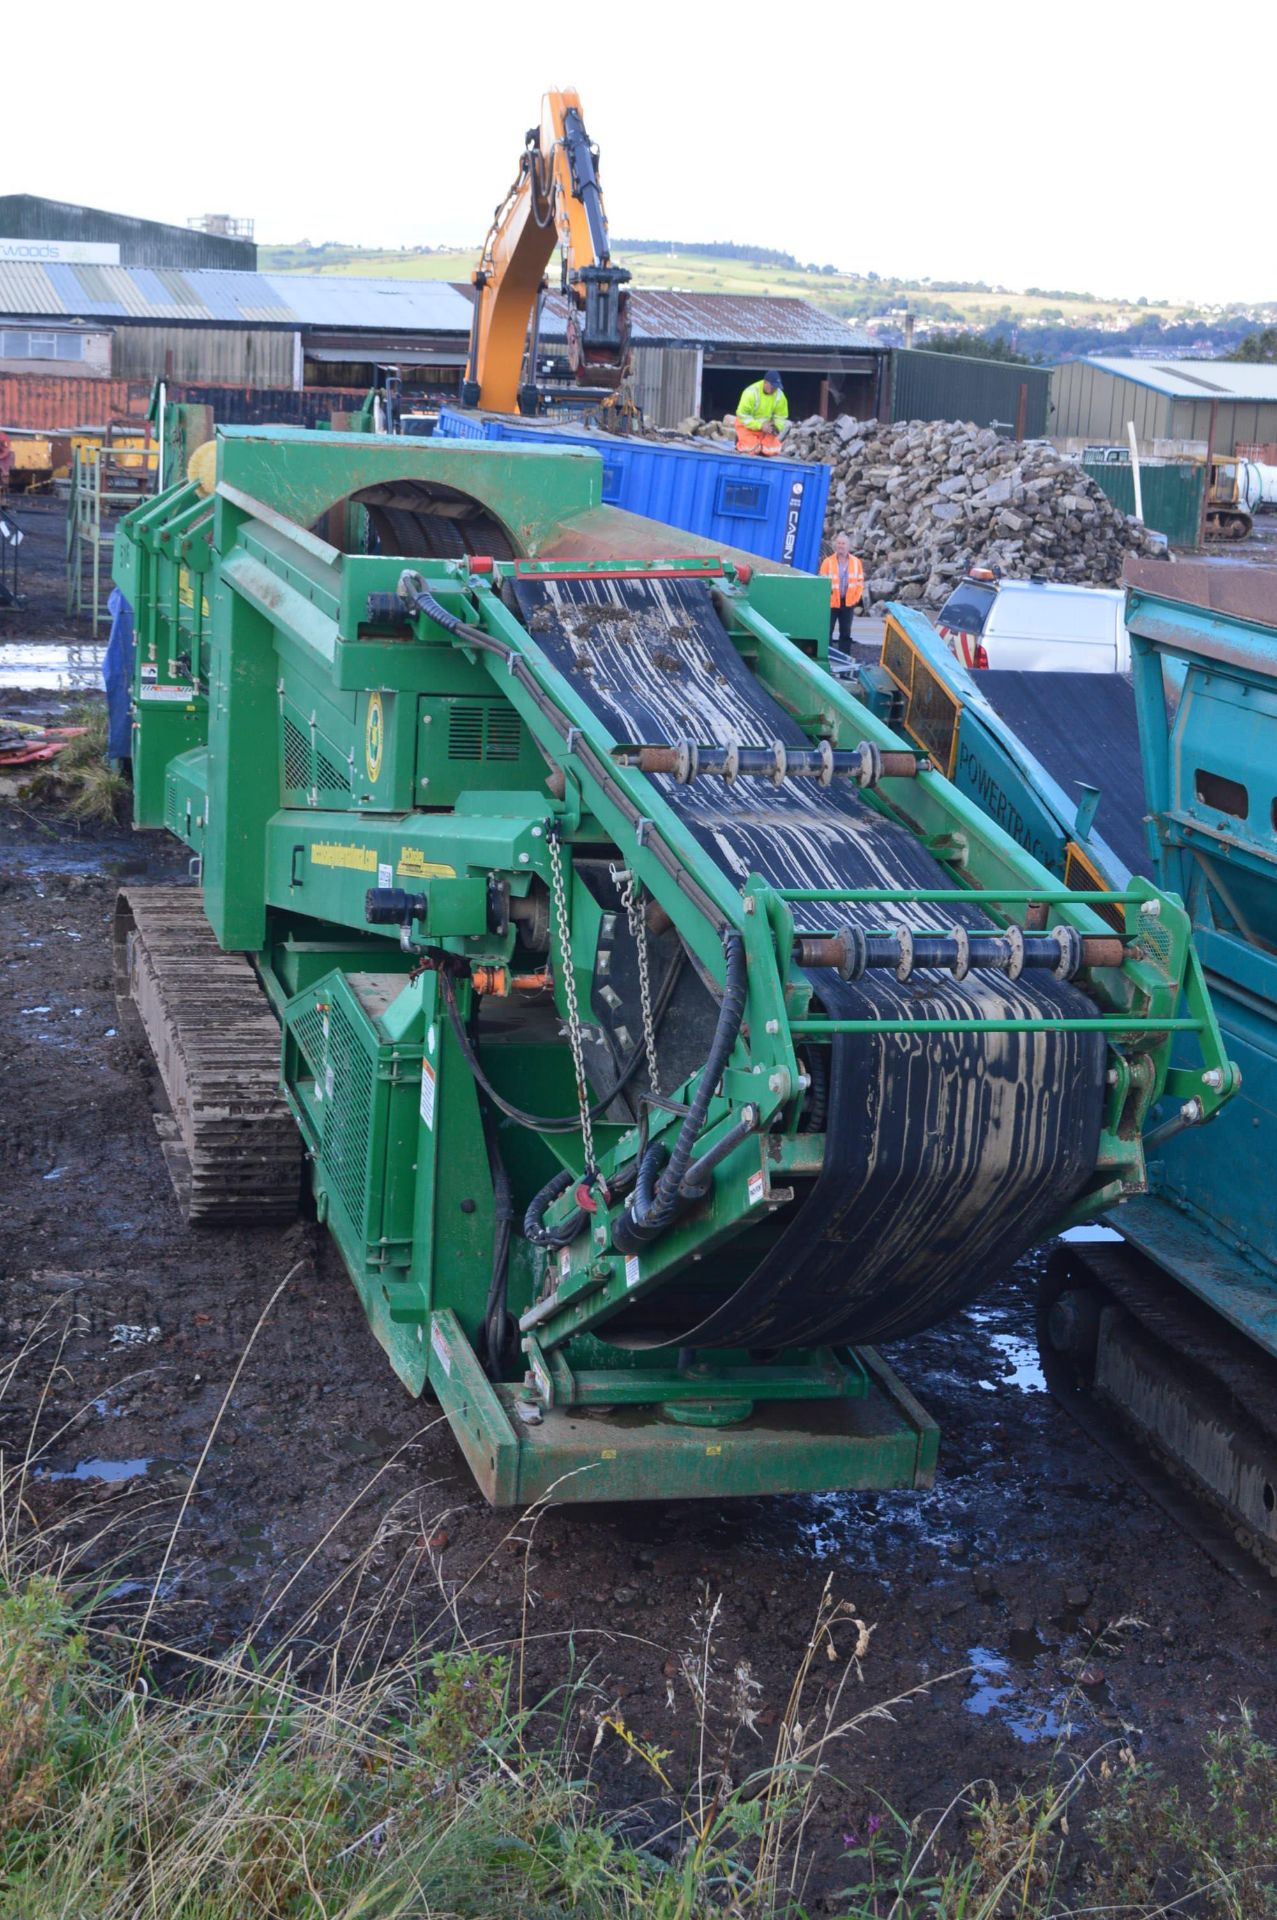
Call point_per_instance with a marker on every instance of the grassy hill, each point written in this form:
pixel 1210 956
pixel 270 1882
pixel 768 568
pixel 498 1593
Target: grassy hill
pixel 1039 319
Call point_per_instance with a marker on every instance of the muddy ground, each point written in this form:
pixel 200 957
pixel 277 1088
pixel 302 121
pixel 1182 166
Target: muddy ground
pixel 41 518
pixel 1029 1545
pixel 326 1487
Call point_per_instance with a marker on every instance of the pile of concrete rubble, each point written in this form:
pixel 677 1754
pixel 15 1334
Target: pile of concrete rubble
pixel 923 500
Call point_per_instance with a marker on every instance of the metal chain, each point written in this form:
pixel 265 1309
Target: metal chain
pixel 631 900
pixel 569 993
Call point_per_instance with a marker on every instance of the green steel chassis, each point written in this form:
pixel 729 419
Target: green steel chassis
pixel 257 640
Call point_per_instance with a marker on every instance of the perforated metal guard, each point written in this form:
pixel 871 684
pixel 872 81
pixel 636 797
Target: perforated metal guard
pixel 348 1096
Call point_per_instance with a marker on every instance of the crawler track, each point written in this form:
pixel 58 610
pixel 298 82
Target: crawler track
pixel 1177 1397
pixel 230 1142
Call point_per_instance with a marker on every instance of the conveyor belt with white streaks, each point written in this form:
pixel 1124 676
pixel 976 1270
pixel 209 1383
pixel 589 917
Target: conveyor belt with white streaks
pixel 946 1154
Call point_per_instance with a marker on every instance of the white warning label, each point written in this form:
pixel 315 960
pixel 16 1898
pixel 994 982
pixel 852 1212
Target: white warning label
pixel 428 1093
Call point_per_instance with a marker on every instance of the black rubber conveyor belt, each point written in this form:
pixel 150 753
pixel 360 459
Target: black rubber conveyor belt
pixel 1082 726
pixel 946 1155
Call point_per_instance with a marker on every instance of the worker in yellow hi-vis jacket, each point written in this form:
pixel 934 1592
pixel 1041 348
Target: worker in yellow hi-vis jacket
pixel 762 415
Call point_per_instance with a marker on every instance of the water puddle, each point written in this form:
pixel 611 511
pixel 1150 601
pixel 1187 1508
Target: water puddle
pixel 996 1691
pixel 137 1589
pixel 862 1529
pixel 73 668
pixel 108 1470
pixel 1024 1367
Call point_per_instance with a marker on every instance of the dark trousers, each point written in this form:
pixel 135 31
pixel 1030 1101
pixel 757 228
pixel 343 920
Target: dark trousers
pixel 840 625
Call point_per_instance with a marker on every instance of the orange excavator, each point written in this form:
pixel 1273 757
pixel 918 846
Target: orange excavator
pixel 555 198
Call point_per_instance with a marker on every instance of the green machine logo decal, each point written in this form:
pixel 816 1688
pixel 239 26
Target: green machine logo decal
pixel 374 734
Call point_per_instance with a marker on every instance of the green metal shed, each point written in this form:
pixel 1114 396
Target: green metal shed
pixel 956 386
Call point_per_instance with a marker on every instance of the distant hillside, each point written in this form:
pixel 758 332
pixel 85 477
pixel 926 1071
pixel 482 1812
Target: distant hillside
pixel 1048 324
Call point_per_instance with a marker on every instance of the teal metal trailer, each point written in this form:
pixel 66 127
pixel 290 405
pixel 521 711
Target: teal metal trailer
pixel 1175 1328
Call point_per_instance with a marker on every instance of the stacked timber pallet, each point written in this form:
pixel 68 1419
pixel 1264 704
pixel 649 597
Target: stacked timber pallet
pixel 923 500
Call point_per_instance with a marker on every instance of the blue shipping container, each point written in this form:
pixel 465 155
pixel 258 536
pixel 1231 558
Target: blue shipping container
pixel 772 507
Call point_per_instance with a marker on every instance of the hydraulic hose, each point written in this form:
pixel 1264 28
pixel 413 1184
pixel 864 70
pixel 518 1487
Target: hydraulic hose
pixel 555 1123
pixel 565 1233
pixel 657 1199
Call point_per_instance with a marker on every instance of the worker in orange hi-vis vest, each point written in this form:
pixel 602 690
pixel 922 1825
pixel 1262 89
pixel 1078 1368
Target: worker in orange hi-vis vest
pixel 846 577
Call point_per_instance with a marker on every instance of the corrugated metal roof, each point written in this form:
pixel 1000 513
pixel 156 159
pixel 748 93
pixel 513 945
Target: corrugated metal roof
pixel 32 289
pixel 235 299
pixel 1194 379
pixel 724 320
pixel 392 306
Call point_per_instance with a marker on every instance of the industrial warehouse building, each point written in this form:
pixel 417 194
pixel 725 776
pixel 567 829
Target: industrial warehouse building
pixel 247 331
pixel 285 332
pixel 81 342
pixel 1172 403
pixel 693 353
pixel 46 232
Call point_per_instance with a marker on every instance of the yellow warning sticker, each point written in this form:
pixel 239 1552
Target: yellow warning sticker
pixel 337 853
pixel 413 865
pixel 186 592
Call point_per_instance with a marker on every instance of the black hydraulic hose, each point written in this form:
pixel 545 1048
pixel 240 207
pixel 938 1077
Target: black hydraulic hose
pixel 650 1166
pixel 567 1230
pixel 555 1123
pixel 656 1202
pixel 565 1233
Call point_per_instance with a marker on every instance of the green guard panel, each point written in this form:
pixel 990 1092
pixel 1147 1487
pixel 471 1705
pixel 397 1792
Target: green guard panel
pixel 464 741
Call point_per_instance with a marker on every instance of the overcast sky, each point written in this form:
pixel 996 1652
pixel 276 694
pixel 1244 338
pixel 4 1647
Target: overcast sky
pixel 1091 147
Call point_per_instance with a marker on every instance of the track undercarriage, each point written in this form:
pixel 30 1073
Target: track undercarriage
pixel 229 1140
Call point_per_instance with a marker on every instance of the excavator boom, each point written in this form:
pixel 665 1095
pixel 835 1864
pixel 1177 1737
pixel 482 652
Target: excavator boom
pixel 555 199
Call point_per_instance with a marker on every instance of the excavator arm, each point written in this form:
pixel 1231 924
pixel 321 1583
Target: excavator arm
pixel 555 200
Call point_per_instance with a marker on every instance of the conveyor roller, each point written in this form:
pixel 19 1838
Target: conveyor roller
pixel 945 1155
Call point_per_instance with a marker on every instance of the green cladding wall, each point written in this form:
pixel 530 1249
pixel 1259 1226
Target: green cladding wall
pixel 1172 495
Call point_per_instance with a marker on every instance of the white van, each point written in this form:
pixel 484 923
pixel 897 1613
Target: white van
pixel 988 622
